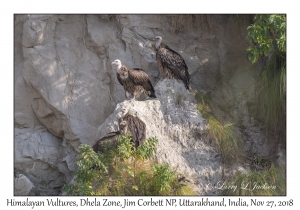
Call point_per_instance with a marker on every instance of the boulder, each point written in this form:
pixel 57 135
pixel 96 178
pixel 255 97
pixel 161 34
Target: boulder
pixel 181 131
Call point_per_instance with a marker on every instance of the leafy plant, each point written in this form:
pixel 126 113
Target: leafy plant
pixel 124 170
pixel 163 177
pixel 267 32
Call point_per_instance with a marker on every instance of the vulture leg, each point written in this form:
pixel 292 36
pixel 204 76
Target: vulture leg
pixel 133 99
pixel 134 95
pixel 127 95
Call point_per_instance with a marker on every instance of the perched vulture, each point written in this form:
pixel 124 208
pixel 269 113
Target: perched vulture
pixel 136 127
pixel 135 81
pixel 128 124
pixel 110 138
pixel 171 63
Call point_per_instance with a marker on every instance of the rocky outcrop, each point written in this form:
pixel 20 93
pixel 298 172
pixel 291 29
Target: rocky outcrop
pixel 181 132
pixel 65 87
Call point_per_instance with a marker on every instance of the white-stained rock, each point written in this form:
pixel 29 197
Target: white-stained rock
pixel 181 130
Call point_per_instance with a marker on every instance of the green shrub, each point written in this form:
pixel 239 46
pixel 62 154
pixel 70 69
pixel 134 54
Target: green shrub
pixel 124 170
pixel 268 32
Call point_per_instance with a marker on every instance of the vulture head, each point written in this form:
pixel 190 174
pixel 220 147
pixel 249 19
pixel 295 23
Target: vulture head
pixel 157 40
pixel 117 63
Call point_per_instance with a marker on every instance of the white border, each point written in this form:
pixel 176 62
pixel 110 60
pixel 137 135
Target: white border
pixel 160 7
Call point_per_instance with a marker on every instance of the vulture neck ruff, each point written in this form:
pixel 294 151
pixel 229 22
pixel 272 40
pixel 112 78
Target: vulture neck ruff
pixel 157 44
pixel 119 68
pixel 122 71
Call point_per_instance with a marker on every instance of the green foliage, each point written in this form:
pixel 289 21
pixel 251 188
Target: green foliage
pixel 87 173
pixel 125 147
pixel 124 170
pixel 267 32
pixel 145 151
pixel 224 136
pixel 163 177
pixel 273 182
pixel 267 36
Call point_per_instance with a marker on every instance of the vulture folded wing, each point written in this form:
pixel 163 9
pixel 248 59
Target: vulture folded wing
pixel 119 79
pixel 110 137
pixel 140 128
pixel 137 129
pixel 140 77
pixel 172 60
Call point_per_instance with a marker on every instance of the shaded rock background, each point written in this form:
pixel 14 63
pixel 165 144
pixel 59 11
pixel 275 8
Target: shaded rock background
pixel 65 87
pixel 23 186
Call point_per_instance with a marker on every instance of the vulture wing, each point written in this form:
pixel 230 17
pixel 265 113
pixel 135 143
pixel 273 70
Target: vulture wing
pixel 137 129
pixel 108 138
pixel 140 77
pixel 119 79
pixel 174 62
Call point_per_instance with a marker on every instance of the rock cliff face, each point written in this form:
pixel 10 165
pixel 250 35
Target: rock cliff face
pixel 65 88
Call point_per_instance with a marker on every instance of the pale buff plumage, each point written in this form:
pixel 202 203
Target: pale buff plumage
pixel 135 81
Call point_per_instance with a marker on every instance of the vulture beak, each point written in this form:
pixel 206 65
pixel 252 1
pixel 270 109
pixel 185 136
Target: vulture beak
pixel 156 38
pixel 113 63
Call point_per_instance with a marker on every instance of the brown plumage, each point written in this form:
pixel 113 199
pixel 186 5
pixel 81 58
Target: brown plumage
pixel 171 63
pixel 135 81
pixel 110 138
pixel 128 124
pixel 136 127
